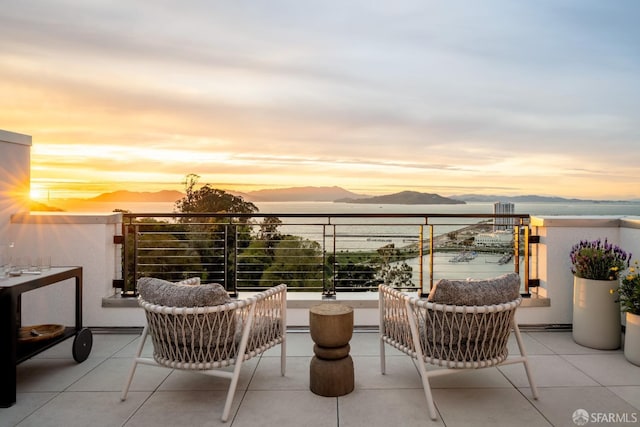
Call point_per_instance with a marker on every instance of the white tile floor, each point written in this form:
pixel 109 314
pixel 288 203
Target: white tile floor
pixel 53 390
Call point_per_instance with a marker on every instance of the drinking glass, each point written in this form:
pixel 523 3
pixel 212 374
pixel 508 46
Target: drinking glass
pixel 34 264
pixel 45 263
pixel 4 266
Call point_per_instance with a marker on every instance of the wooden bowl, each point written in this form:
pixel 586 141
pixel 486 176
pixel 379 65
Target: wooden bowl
pixel 39 332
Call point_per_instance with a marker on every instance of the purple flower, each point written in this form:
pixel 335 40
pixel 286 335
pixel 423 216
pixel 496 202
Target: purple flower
pixel 598 260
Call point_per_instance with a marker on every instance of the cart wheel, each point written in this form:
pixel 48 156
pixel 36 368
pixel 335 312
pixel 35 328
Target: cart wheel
pixel 82 345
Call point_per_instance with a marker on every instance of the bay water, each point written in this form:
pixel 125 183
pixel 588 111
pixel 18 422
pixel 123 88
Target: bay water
pixel 556 208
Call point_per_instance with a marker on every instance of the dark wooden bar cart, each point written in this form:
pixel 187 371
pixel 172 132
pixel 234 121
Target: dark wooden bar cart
pixel 13 351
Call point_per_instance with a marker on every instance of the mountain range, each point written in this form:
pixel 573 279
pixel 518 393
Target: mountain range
pixel 529 199
pixel 338 195
pixel 293 194
pixel 301 194
pixel 138 196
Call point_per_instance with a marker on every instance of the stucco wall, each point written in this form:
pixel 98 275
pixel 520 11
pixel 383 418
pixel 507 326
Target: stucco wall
pixel 557 237
pixel 15 175
pixel 84 240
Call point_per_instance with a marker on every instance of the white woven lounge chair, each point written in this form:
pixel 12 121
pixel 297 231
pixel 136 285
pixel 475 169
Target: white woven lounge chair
pixel 212 337
pixel 453 336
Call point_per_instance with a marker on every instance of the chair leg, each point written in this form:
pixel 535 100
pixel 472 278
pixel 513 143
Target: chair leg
pixel 134 364
pixel 383 364
pixel 427 390
pixel 415 337
pixel 382 331
pixel 283 344
pixel 232 390
pixel 239 360
pixel 525 361
pixel 283 357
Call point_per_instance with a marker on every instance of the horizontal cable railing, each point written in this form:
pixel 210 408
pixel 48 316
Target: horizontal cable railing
pixel 327 253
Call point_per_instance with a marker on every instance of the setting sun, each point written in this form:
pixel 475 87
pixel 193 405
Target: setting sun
pixel 37 193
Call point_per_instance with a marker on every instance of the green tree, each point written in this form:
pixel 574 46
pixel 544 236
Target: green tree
pixel 164 253
pixel 259 254
pixel 297 262
pixel 252 262
pixel 209 199
pixel 217 239
pixel 398 275
pixel 269 228
pixel 269 234
pixel 161 251
pixel 352 276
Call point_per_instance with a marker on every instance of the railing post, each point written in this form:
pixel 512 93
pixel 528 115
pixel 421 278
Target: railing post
pixel 328 284
pixel 125 257
pixel 231 258
pixel 516 248
pixel 236 266
pixel 332 290
pixel 135 256
pixel 226 257
pixel 421 258
pixel 431 255
pixel 526 259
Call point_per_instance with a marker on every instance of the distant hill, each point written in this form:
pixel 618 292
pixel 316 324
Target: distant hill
pixel 137 196
pixel 41 207
pixel 406 198
pixel 301 194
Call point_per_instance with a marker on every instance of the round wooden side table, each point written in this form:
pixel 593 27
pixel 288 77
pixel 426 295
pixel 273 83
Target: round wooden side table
pixel 331 371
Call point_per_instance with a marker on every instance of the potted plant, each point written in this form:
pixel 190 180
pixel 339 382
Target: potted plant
pixel 629 296
pixel 596 266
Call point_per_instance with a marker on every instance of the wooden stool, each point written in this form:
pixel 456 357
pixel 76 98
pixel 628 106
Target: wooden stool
pixel 331 371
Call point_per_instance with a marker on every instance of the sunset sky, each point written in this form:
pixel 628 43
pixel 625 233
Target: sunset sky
pixel 492 97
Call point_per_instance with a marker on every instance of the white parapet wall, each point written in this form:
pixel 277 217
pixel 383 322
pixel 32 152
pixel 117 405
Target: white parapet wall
pixel 630 236
pixel 84 240
pixel 558 234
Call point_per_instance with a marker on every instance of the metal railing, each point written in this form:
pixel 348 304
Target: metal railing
pixel 326 253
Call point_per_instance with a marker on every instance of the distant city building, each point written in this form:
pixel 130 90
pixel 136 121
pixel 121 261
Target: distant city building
pixel 500 208
pixel 500 238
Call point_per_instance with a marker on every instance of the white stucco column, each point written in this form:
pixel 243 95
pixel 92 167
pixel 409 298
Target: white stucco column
pixel 15 175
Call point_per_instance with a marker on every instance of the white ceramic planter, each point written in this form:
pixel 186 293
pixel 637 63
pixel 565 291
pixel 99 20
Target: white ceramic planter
pixel 596 314
pixel 632 339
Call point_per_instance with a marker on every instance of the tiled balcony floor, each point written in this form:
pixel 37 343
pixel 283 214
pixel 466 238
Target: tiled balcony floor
pixel 53 390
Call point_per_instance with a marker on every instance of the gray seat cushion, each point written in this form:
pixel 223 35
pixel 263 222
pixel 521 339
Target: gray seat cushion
pixel 162 292
pixel 492 291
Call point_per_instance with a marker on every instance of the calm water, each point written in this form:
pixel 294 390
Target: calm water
pixel 630 209
pixel 470 208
